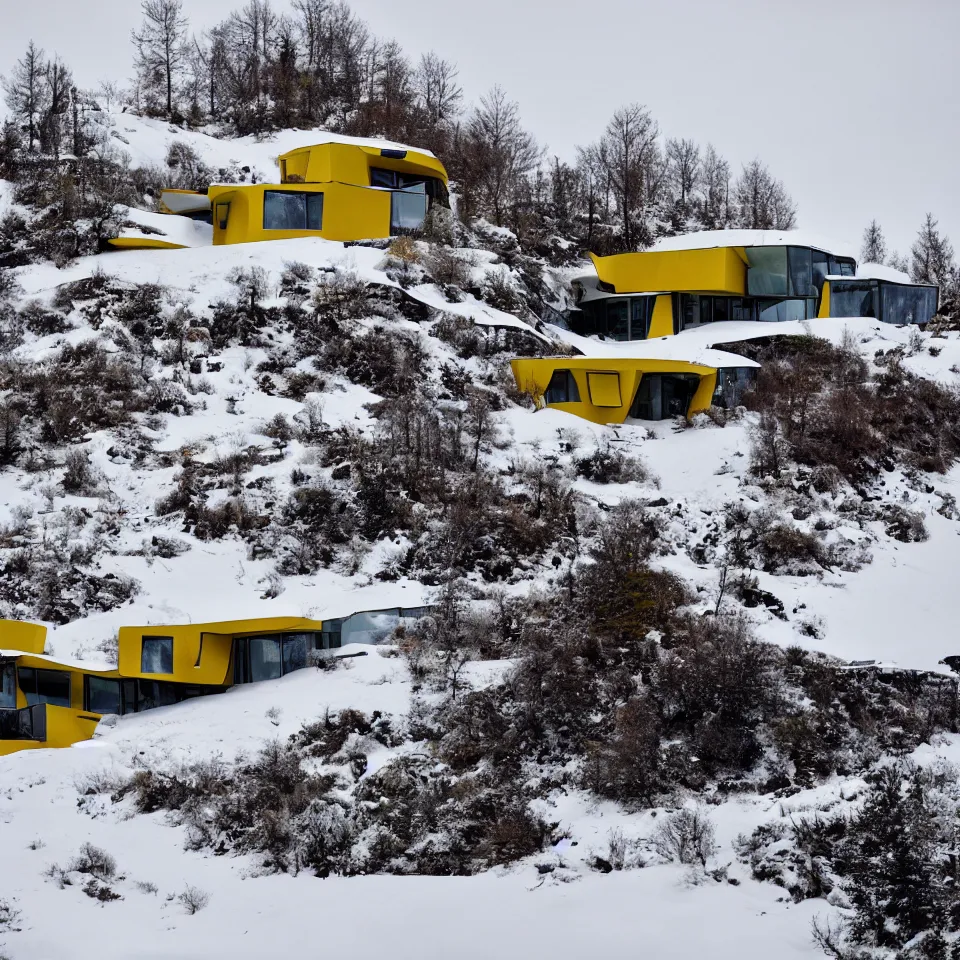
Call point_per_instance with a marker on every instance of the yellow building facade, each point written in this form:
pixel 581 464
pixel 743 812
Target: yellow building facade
pixel 339 191
pixel 686 283
pixel 45 702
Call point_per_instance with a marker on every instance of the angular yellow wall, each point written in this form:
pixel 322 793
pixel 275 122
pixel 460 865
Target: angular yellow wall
pixel 350 164
pixel 594 383
pixel 202 652
pixel 202 655
pixel 349 213
pixel 22 636
pixel 716 270
pixel 65 727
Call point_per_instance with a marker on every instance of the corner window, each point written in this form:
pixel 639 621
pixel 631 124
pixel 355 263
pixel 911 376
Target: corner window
pixel 102 695
pixel 767 271
pixel 562 388
pixel 292 210
pixel 156 655
pixel 408 209
pixel 271 657
pixel 45 686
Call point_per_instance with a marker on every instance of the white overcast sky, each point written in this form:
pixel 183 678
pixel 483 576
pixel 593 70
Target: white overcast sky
pixel 853 103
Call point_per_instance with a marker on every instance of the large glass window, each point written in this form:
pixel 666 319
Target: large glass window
pixel 102 695
pixel 332 635
pixel 732 383
pixel 45 686
pixel 801 272
pixel 626 318
pixel 819 268
pixel 902 304
pixel 292 210
pixel 853 298
pixel 30 723
pixel 641 313
pixel 408 209
pixel 8 686
pixel 265 659
pixel 562 388
pixel 663 395
pixel 156 655
pixel 767 271
pixel 618 319
pixel 296 646
pixel 156 693
pixel 778 311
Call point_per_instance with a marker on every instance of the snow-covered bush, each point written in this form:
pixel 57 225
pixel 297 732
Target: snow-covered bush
pixel 686 836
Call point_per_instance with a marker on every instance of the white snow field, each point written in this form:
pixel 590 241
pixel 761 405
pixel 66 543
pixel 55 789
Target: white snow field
pixel 897 608
pixel 513 913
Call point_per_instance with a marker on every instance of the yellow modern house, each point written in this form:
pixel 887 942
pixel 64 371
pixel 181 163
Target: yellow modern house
pixel 697 282
pixel 45 702
pixel 339 190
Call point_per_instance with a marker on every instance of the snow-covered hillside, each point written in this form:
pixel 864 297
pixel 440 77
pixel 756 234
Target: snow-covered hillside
pixel 216 433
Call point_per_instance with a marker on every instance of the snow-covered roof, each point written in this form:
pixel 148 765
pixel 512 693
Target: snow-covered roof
pixel 880 271
pixel 706 239
pixel 182 231
pixel 684 347
pixel 318 137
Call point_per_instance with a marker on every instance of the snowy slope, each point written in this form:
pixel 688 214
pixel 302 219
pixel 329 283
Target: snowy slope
pixel 572 913
pixel 895 608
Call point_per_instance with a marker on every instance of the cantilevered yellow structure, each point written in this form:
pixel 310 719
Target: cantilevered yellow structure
pixel 339 190
pixel 46 702
pixel 685 283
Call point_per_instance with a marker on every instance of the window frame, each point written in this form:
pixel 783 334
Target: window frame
pixel 35 692
pixel 87 699
pixel 143 648
pixel 305 196
pixel 571 395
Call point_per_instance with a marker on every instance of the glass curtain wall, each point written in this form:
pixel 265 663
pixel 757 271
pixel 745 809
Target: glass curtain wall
pixel 619 318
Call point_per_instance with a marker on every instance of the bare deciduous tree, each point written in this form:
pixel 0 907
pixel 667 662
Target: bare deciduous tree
pixel 161 45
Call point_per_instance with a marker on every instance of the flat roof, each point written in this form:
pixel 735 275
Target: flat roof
pixel 705 239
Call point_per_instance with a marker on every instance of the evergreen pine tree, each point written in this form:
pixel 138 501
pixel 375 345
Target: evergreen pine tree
pixel 874 249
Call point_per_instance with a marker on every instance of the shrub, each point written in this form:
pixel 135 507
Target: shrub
pixel 686 836
pixel 905 525
pixel 606 465
pixel 447 267
pixel 95 861
pixel 193 899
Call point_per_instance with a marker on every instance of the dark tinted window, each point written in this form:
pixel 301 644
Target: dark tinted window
pixel 767 271
pixel 662 395
pixel 819 266
pixel 901 303
pixel 45 686
pixel 801 272
pixel 102 695
pixel 291 210
pixel 296 646
pixel 265 658
pixel 853 298
pixel 156 655
pixel 562 388
pixel 8 686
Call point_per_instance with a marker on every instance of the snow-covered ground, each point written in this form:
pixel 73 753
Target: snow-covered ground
pixel 573 912
pixel 896 608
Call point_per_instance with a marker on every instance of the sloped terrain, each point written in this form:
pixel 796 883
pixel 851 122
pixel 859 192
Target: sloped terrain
pixel 634 621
